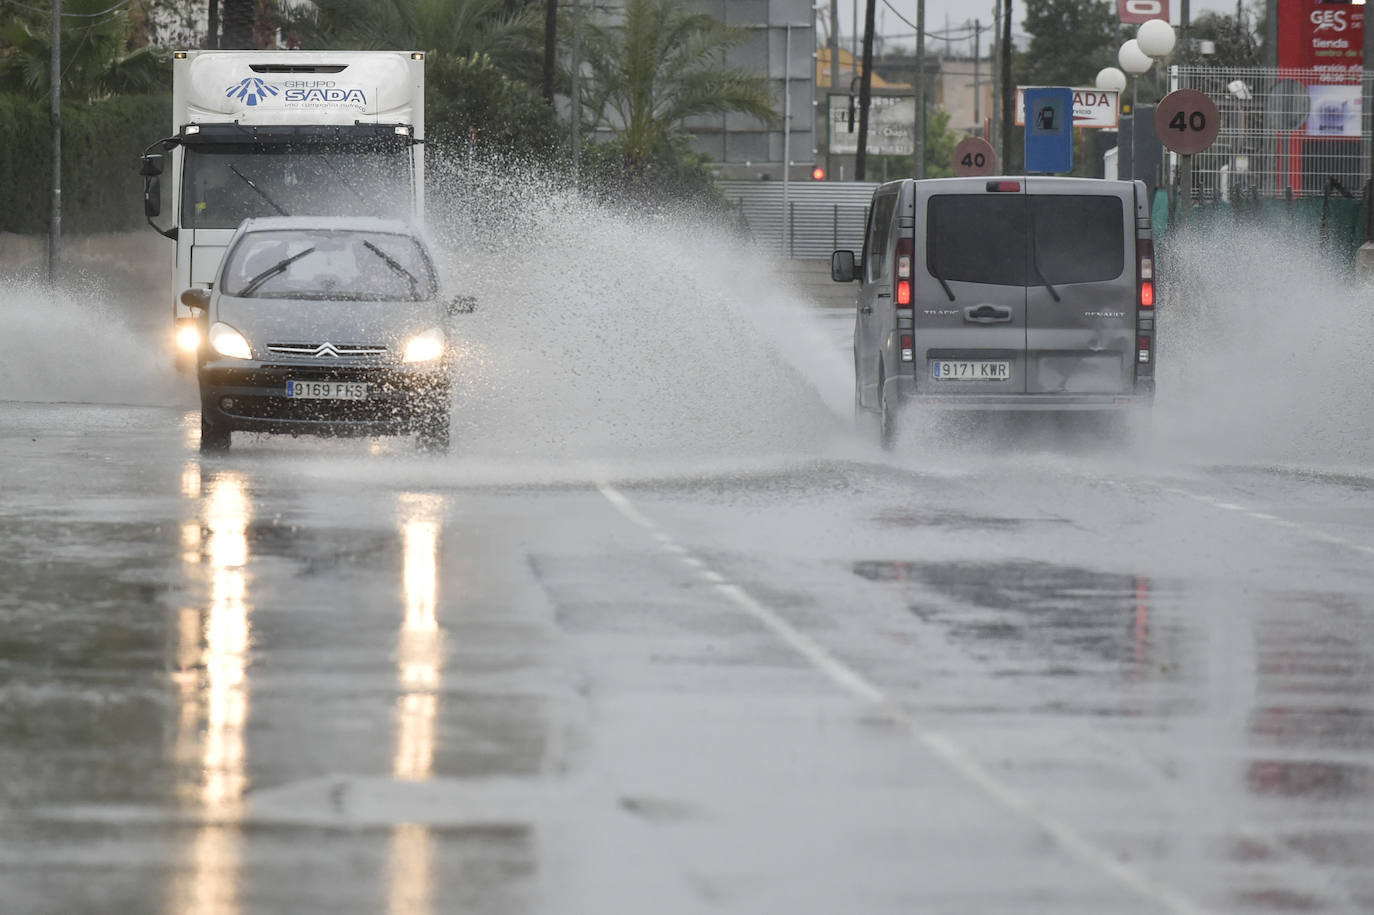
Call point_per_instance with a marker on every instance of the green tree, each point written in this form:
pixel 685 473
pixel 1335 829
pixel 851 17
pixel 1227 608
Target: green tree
pixel 659 65
pixel 97 57
pixel 474 104
pixel 1234 43
pixel 510 35
pixel 1070 40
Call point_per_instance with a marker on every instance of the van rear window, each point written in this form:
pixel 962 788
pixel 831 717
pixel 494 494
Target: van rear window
pixel 976 238
pixel 1078 239
pixel 973 238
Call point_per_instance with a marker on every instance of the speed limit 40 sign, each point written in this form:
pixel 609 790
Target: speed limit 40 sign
pixel 974 157
pixel 1187 121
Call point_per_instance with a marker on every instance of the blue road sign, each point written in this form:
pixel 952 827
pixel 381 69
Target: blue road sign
pixel 1049 130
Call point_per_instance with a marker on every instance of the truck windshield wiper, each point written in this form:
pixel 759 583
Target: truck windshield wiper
pixel 396 268
pixel 949 292
pixel 257 190
pixel 1035 260
pixel 272 271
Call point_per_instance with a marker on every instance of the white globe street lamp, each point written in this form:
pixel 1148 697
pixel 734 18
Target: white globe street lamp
pixel 1133 60
pixel 1110 79
pixel 1155 38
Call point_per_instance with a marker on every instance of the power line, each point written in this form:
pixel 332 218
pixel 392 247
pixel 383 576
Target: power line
pixel 48 11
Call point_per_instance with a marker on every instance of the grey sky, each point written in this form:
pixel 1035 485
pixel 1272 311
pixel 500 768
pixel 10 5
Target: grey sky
pixel 953 14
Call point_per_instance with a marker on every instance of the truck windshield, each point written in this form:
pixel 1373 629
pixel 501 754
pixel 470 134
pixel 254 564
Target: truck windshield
pixel 224 185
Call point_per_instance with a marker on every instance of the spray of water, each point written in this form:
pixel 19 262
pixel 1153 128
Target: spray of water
pixel 1264 353
pixel 603 334
pixel 82 342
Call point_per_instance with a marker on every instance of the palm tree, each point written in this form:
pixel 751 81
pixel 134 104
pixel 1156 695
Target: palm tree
pixel 448 28
pixel 96 57
pixel 660 65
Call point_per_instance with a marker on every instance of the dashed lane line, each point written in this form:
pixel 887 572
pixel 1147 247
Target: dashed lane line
pixel 943 747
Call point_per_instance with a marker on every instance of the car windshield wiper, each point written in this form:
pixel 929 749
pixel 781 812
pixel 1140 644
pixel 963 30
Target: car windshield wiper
pixel 1035 260
pixel 257 190
pixel 949 292
pixel 272 271
pixel 396 267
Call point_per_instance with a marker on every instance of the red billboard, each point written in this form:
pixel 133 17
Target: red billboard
pixel 1134 12
pixel 1327 38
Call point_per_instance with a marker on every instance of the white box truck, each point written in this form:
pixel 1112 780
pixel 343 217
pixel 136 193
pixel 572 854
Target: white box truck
pixel 274 133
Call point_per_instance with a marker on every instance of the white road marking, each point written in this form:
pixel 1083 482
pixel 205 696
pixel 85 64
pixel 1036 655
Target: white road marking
pixel 945 748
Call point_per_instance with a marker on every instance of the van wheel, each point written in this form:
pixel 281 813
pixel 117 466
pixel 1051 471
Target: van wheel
pixel 887 418
pixel 214 438
pixel 865 421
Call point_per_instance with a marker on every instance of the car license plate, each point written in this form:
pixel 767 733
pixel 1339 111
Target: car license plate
pixel 327 390
pixel 969 370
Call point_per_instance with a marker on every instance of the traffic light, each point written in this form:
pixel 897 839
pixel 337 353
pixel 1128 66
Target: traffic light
pixel 818 173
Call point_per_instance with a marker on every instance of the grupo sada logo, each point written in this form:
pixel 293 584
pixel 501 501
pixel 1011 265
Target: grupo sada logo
pixel 251 90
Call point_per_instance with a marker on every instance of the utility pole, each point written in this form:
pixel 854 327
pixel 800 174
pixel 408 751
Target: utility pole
pixel 1008 91
pixel 919 156
pixel 550 46
pixel 576 89
pixel 834 51
pixel 977 75
pixel 55 224
pixel 212 31
pixel 865 94
pixel 996 121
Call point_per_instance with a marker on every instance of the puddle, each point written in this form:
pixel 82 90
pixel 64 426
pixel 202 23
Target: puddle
pixel 1057 615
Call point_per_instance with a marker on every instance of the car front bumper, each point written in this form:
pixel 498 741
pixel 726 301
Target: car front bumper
pixel 251 397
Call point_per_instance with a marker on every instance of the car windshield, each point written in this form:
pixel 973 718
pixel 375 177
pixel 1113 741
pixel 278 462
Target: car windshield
pixel 328 264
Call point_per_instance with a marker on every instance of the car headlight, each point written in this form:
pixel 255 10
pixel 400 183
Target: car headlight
pixel 424 347
pixel 229 342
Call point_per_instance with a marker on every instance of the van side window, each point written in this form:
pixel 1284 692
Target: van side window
pixel 879 230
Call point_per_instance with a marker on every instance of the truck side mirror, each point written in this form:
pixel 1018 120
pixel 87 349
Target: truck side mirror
pixel 152 196
pixel 151 164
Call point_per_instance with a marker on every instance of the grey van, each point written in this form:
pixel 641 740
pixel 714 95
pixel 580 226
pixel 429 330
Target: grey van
pixel 1009 293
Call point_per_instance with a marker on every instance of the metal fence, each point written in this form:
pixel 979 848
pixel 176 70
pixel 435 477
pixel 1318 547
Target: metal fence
pixel 1284 133
pixel 820 216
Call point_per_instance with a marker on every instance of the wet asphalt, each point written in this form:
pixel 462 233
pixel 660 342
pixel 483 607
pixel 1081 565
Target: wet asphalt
pixel 339 676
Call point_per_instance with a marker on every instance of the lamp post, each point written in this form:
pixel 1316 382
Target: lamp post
pixel 1154 40
pixel 1110 79
pixel 1135 62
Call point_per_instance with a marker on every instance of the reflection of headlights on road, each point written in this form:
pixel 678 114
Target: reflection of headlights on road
pixel 188 335
pixel 424 347
pixel 229 342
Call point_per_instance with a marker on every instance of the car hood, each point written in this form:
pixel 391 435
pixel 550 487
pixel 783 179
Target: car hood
pixel 264 321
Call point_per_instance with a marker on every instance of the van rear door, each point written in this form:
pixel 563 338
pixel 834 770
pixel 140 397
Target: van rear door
pixel 1080 287
pixel 970 294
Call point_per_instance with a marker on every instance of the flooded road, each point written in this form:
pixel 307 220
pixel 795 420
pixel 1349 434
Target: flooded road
pixel 340 676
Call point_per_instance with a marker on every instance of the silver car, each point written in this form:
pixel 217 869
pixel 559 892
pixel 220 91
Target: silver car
pixel 1007 293
pixel 325 326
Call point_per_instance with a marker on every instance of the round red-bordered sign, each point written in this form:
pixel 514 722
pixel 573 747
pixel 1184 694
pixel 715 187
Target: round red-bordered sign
pixel 974 157
pixel 1187 121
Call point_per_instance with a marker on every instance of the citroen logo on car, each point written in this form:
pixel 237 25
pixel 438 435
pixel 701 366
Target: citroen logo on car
pixel 326 349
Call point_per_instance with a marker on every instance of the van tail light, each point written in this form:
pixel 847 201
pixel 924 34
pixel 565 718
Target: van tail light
pixel 908 347
pixel 902 268
pixel 1143 350
pixel 1145 271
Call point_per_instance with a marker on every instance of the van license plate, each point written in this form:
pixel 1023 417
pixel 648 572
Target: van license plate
pixel 949 370
pixel 327 390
